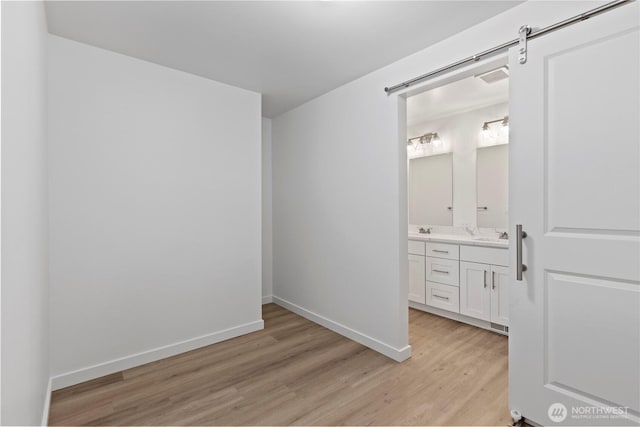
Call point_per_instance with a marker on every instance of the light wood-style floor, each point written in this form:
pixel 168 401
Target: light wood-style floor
pixel 296 372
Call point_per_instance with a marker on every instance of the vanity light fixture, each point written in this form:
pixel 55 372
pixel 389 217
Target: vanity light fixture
pixel 505 124
pixel 485 130
pixel 491 136
pixel 504 121
pixel 427 138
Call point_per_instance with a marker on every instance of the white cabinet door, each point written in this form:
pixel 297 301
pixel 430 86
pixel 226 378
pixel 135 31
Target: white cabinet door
pixel 475 294
pixel 574 335
pixel 417 281
pixel 500 295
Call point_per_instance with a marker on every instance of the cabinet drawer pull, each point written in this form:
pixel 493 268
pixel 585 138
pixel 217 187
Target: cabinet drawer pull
pixel 444 298
pixel 440 271
pixel 493 280
pixel 485 278
pixel 439 251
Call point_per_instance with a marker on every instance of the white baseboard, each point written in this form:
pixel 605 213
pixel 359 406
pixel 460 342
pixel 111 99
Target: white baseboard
pixel 127 362
pixel 397 354
pixel 267 299
pixel 47 404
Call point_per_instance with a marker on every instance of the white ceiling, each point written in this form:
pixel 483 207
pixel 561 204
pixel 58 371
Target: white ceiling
pixel 289 51
pixel 463 95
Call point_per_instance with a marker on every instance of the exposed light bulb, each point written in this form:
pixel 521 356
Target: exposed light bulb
pixel 504 132
pixel 485 133
pixel 435 139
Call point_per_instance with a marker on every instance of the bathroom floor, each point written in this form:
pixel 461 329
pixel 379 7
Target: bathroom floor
pixel 297 372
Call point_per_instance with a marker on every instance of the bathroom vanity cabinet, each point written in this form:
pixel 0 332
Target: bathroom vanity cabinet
pixel 468 283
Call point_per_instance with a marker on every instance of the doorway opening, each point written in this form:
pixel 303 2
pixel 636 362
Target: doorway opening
pixel 457 145
pixel 458 192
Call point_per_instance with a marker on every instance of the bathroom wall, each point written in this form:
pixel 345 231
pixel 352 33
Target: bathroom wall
pixel 155 198
pixel 267 221
pixel 460 135
pixel 24 263
pixel 339 190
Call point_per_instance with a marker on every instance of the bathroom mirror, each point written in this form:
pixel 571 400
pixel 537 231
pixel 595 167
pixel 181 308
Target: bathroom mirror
pixel 431 190
pixel 493 186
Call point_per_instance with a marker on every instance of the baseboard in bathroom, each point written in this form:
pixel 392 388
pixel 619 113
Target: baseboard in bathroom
pixel 267 299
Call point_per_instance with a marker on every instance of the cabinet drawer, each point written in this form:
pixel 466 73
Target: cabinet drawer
pixel 445 271
pixel 495 256
pixel 443 250
pixel 416 247
pixel 443 296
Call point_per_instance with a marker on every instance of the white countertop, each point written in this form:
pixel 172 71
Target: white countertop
pixel 491 242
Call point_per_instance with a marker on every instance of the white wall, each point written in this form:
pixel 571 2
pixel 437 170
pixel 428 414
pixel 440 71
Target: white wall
pixel 267 221
pixel 25 368
pixel 338 207
pixel 339 190
pixel 460 135
pixel 155 211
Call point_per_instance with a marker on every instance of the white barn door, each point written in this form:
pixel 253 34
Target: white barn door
pixel 575 188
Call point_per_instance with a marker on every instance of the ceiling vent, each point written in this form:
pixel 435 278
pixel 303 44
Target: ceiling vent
pixel 494 75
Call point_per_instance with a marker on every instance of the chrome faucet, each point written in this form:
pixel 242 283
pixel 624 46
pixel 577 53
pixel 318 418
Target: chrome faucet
pixel 421 230
pixel 504 235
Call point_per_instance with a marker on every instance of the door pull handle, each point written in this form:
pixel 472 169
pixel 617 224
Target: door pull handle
pixel 520 267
